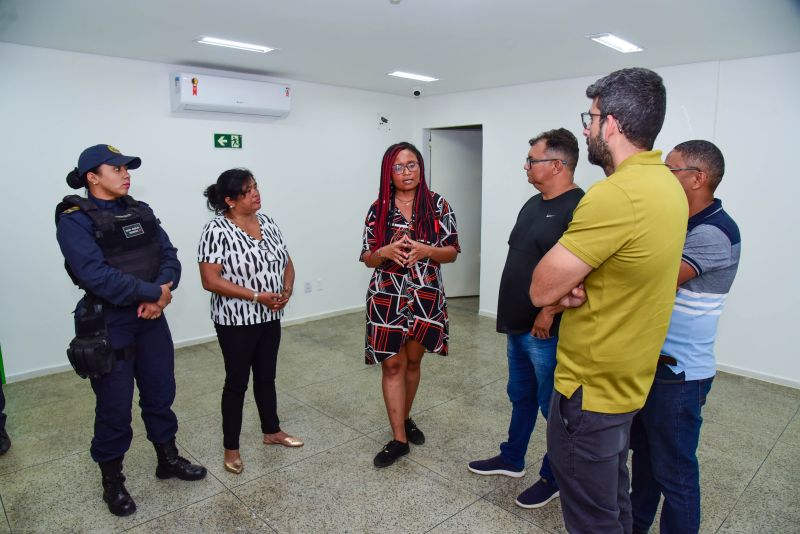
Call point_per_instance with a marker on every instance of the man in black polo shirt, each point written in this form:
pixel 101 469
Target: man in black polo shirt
pixel 532 333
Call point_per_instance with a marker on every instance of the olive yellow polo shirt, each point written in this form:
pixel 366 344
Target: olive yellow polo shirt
pixel 630 229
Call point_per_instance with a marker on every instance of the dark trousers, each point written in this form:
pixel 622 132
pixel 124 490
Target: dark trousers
pixel 664 438
pixel 2 409
pixel 244 347
pixel 153 368
pixel 588 453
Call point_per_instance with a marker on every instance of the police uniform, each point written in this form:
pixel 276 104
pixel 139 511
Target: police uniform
pixel 118 253
pixel 153 357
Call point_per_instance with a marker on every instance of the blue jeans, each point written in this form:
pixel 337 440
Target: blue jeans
pixel 664 439
pixel 531 364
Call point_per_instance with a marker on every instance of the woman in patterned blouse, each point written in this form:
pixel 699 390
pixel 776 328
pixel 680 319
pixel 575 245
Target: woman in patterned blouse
pixel 408 233
pixel 246 266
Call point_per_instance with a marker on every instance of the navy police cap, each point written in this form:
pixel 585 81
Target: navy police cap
pixel 95 156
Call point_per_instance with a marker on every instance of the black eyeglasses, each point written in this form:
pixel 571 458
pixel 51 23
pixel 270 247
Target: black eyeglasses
pixel 530 162
pixel 397 168
pixel 676 169
pixel 586 118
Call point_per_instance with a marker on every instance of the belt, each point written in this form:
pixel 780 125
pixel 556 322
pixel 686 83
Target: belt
pixel 669 360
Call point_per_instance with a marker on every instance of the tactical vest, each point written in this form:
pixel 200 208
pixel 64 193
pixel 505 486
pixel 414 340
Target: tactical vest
pixel 129 240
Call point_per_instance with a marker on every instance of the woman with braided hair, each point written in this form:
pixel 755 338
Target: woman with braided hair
pixel 408 233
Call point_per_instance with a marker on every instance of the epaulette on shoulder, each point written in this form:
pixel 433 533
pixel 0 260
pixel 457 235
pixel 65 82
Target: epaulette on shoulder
pixel 70 210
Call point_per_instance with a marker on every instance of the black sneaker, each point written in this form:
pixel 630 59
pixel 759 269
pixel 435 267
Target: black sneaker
pixel 496 466
pixel 390 452
pixel 537 495
pixel 414 434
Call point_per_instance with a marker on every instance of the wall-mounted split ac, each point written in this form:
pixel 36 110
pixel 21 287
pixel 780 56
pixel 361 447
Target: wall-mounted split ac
pixel 201 92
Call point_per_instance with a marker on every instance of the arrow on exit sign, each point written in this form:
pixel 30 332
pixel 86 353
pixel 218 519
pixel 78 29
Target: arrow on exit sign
pixel 227 140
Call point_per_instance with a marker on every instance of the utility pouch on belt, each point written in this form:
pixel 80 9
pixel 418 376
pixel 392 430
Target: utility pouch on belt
pixel 90 352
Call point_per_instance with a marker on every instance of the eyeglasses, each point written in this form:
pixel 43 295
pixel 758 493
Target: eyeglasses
pixel 586 118
pixel 397 168
pixel 676 169
pixel 530 162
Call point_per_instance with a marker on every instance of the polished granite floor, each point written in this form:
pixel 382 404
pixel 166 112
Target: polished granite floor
pixel 749 451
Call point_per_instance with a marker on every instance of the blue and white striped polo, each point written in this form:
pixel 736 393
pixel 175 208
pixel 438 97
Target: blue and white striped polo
pixel 712 249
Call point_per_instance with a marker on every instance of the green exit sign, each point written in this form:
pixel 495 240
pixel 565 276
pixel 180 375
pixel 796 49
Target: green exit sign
pixel 227 140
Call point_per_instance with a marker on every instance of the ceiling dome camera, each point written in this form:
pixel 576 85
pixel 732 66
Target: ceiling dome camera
pixel 416 92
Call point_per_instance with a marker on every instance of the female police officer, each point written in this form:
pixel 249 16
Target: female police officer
pixel 118 253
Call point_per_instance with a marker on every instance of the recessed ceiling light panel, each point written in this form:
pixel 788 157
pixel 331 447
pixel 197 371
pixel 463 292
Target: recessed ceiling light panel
pixel 617 43
pixel 410 76
pixel 235 44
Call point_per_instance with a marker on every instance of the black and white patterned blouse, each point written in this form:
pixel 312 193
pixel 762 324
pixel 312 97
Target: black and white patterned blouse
pixel 255 264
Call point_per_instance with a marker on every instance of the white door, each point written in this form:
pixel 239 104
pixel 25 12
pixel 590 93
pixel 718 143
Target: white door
pixel 455 173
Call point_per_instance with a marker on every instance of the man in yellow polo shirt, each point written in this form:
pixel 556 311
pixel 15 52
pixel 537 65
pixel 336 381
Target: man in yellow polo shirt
pixel 615 270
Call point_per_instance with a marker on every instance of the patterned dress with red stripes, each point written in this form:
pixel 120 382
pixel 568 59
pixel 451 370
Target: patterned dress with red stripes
pixel 407 301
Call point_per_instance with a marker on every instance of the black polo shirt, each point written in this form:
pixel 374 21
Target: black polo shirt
pixel 539 226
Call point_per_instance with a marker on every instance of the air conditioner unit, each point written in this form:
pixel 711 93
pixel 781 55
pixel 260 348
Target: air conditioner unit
pixel 201 92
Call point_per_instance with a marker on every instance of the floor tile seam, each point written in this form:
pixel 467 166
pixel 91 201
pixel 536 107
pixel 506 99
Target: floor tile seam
pixel 707 419
pixel 311 406
pixel 253 512
pixel 180 508
pixel 328 379
pixel 517 511
pixel 5 512
pixel 755 474
pixel 295 462
pixel 331 379
pixel 31 466
pixel 18 411
pixel 453 480
pixel 795 416
pixel 459 396
pixel 452 516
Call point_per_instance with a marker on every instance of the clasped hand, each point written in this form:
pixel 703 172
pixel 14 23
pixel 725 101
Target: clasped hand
pixel 575 298
pixel 406 251
pixel 153 310
pixel 275 301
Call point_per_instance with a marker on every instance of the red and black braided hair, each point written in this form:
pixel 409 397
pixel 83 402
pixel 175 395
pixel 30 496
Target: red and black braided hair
pixel 425 223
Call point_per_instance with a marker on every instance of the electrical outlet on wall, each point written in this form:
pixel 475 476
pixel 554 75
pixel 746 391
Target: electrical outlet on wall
pixel 307 287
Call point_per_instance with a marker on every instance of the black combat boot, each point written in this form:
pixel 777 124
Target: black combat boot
pixel 170 464
pixel 114 493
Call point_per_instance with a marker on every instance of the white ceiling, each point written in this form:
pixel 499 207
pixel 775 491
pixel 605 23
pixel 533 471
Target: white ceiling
pixel 468 44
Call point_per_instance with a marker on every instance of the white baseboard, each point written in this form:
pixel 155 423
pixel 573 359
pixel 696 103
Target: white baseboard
pixel 749 373
pixel 290 322
pixel 187 342
pixel 39 372
pixel 772 379
pixel 195 341
pixel 318 316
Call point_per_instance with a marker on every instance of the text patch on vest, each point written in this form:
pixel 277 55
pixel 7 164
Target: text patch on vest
pixel 133 230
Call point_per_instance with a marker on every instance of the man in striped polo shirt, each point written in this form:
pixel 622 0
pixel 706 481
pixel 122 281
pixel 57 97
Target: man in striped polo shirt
pixel 665 433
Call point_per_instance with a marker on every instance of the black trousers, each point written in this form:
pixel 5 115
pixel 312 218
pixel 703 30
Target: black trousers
pixel 244 347
pixel 588 452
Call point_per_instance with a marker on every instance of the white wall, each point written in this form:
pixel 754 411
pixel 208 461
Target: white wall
pixel 747 107
pixel 317 169
pixel 322 163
